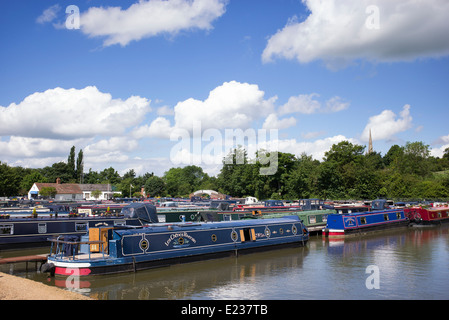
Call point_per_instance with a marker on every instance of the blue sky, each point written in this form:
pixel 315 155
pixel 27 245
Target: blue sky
pixel 136 72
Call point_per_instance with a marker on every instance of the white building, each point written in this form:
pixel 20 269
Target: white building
pixel 105 189
pixel 73 191
pixel 66 191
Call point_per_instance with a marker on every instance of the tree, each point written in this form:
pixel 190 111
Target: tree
pixel 96 194
pixel 183 181
pixel 48 192
pixel 57 170
pixel 346 159
pixel 80 166
pixel 154 186
pixel 31 178
pixel 71 164
pixel 416 159
pixel 301 181
pixel 109 175
pixel 393 155
pixel 7 181
pixel 329 181
pixel 344 152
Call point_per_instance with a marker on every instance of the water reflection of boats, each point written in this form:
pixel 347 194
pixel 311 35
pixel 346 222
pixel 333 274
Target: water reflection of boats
pixel 187 280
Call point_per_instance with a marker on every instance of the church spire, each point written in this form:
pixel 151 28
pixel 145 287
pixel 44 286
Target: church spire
pixel 370 146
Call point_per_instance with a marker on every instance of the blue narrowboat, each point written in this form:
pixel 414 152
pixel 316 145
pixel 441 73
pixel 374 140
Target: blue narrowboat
pixel 360 222
pixel 35 230
pixel 106 250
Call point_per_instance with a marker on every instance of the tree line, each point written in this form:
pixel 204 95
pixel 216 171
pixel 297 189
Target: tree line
pixel 345 172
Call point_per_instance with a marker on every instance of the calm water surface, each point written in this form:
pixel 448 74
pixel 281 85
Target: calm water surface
pixel 413 263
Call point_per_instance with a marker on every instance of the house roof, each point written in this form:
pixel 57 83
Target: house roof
pixel 93 187
pixel 63 188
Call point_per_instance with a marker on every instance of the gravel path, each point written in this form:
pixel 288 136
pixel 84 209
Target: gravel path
pixel 16 288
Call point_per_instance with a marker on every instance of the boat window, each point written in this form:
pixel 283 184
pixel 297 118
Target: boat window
pixel 6 229
pixel 398 215
pixel 363 220
pixel 81 226
pixel 312 219
pixel 227 217
pixel 121 222
pixel 42 228
pixel 386 217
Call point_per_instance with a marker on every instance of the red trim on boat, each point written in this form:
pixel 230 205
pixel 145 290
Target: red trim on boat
pixel 72 271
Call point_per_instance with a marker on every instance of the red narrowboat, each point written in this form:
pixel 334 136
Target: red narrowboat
pixel 428 215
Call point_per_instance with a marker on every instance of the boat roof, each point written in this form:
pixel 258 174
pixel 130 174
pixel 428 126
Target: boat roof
pixel 186 226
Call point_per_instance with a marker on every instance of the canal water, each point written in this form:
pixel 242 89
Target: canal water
pixel 404 264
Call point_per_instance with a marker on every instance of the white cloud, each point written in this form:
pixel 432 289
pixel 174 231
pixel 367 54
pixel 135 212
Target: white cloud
pixel 307 104
pixel 339 32
pixel 316 148
pixel 231 105
pixel 49 14
pixel 386 124
pixel 150 18
pixel 26 147
pixel 159 128
pixel 335 104
pixel 165 111
pixel 303 103
pixel 272 122
pixel 110 145
pixel 71 113
pixel 439 152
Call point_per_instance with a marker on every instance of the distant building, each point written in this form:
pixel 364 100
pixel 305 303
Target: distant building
pixel 214 195
pixel 73 191
pixel 106 191
pixel 64 191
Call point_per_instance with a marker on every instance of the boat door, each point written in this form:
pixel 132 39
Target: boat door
pixel 247 234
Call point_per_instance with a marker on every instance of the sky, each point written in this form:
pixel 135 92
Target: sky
pixel 152 85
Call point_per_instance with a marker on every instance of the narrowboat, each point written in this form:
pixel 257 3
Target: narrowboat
pixel 106 250
pixel 314 220
pixel 34 231
pixel 428 216
pixel 266 205
pixel 361 222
